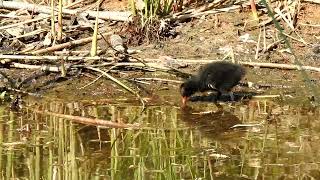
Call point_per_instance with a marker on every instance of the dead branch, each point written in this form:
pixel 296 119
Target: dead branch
pixel 312 1
pixel 46 68
pixel 75 52
pixel 156 63
pixel 58 69
pixel 23 22
pixel 280 66
pixel 54 58
pixel 68 44
pixel 107 15
pixel 254 64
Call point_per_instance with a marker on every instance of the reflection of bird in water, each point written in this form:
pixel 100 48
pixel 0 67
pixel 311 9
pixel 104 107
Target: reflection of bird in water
pixel 218 76
pixel 212 123
pixel 215 127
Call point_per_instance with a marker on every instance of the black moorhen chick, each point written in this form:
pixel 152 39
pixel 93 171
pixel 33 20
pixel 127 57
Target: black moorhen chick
pixel 219 76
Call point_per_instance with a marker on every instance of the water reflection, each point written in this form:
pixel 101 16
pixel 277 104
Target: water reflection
pixel 212 97
pixel 172 143
pixel 212 123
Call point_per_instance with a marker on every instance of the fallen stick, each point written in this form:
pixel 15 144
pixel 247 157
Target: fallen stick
pixel 154 63
pixel 36 67
pixel 23 22
pixel 68 44
pixel 253 64
pixel 55 58
pixel 51 68
pixel 107 15
pixel 312 1
pixel 280 66
pixel 295 39
pixel 75 52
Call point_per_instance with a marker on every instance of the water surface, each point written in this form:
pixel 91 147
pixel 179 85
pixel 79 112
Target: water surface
pixel 256 139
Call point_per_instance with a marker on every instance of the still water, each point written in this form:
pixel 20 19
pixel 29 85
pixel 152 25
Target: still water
pixel 256 139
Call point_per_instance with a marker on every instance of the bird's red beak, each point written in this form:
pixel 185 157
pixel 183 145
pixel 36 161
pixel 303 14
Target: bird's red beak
pixel 184 100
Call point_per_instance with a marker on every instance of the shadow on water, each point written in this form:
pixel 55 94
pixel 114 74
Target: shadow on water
pixel 173 143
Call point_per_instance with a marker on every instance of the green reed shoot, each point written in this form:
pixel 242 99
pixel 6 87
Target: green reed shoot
pixel 152 9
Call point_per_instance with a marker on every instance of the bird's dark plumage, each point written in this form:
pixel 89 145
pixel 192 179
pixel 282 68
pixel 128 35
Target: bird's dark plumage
pixel 218 76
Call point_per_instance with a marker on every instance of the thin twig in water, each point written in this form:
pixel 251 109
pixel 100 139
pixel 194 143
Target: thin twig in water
pixel 90 82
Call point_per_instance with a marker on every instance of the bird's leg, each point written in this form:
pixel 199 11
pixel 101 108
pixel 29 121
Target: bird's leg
pixel 218 94
pixel 184 101
pixel 231 95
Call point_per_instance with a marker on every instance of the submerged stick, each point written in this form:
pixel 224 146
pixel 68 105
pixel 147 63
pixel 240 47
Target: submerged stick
pixel 88 121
